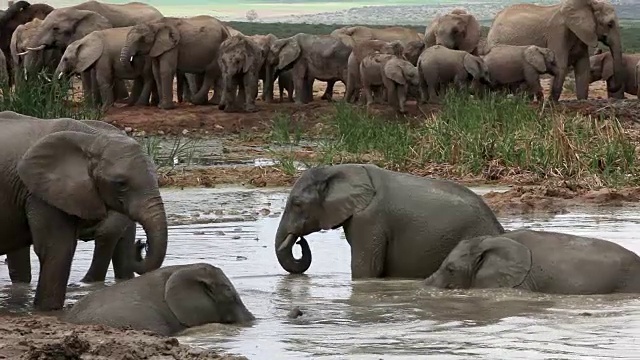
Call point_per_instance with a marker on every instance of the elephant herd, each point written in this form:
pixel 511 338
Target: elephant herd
pixel 65 180
pixel 108 44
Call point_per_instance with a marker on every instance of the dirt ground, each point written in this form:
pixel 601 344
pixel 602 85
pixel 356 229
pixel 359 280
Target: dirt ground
pixel 44 337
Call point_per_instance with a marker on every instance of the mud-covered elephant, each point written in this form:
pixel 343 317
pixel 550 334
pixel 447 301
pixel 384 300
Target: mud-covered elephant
pixel 359 52
pixel 99 52
pixel 312 57
pixel 61 175
pixel 394 73
pixel 511 65
pixel 540 261
pixel 457 30
pixel 190 45
pixel 20 12
pixel 397 224
pixel 165 301
pixel 570 29
pixel 439 67
pixel 601 65
pixel 240 60
pixel 351 35
pixel 20 40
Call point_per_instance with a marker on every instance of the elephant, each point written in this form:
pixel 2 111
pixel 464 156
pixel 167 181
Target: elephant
pixel 601 65
pixel 267 69
pixel 638 78
pixel 4 75
pixel 397 224
pixel 285 81
pixel 99 52
pixel 19 41
pixel 20 12
pixel 165 301
pixel 440 66
pixel 413 50
pixel 569 29
pixel 240 60
pixel 510 65
pixel 457 30
pixel 352 35
pixel 190 45
pixel 62 175
pixel 311 57
pixel 394 73
pixel 359 52
pixel 540 261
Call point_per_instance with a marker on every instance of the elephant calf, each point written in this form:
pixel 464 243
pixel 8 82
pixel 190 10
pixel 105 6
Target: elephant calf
pixel 166 301
pixel 394 73
pixel 240 61
pixel 547 262
pixel 602 69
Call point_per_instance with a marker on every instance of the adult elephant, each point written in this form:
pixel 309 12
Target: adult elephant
pixel 457 30
pixel 601 64
pixel 165 301
pixel 312 57
pixel 62 175
pixel 20 12
pixel 541 261
pixel 20 41
pixel 351 35
pixel 398 225
pixel 570 29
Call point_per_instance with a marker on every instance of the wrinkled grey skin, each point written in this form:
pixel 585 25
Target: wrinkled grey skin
pixel 510 65
pixel 398 225
pixel 190 45
pixel 285 82
pixel 601 65
pixel 20 39
pixel 540 261
pixel 267 68
pixel 413 50
pixel 240 61
pixel 4 75
pixel 62 175
pixel 440 67
pixel 312 57
pixel 392 72
pixel 457 30
pixel 165 301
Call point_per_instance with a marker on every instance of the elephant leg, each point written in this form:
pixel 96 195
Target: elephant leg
pixel 180 88
pixel 251 91
pixel 308 94
pixel 614 95
pixel 582 72
pixel 202 96
pixel 19 263
pixel 87 90
pixel 424 91
pixel 401 92
pixel 218 88
pixel 136 92
pixel 368 247
pixel 95 88
pixel 164 71
pixel 120 89
pixel 106 85
pixel 124 252
pixel 558 80
pixel 328 91
pixel 54 241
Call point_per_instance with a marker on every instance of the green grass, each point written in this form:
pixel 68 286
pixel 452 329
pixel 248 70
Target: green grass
pixel 185 149
pixel 284 130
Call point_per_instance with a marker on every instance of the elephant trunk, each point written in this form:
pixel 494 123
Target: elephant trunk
pixel 153 219
pixel 615 47
pixel 126 54
pixel 284 251
pixel 268 82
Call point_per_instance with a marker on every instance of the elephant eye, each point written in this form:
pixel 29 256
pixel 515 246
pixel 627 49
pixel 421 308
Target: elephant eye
pixel 120 184
pixel 55 28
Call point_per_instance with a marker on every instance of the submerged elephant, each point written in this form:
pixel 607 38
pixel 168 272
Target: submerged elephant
pixel 457 30
pixel 547 262
pixel 65 175
pixel 240 61
pixel 398 225
pixel 569 29
pixel 602 69
pixel 165 301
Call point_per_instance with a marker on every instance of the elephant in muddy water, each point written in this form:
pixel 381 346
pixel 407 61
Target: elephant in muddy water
pixel 601 65
pixel 64 175
pixel 240 61
pixel 540 261
pixel 398 225
pixel 165 301
pixel 457 30
pixel 570 29
pixel 392 72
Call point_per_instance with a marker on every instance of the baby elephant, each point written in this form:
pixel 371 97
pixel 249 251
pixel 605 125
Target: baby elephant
pixel 601 64
pixel 394 73
pixel 240 61
pixel 166 301
pixel 546 262
pixel 511 66
pixel 440 66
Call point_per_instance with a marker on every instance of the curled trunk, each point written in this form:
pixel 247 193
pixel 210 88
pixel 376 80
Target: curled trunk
pixel 153 219
pixel 284 251
pixel 125 54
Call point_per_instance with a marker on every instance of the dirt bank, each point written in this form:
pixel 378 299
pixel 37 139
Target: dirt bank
pixel 44 337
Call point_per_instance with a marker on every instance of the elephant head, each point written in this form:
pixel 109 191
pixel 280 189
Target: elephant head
pixel 592 21
pixel 412 51
pixel 601 66
pixel 543 60
pixel 457 30
pixel 483 262
pixel 345 35
pixel 80 55
pixel 477 68
pixel 85 173
pixel 323 197
pixel 20 12
pixel 402 72
pixel 201 293
pixel 239 54
pixel 66 25
pixel 152 39
pixel 287 52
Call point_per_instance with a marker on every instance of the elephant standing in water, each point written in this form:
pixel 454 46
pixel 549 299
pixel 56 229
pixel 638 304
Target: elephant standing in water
pixel 165 301
pixel 570 29
pixel 398 225
pixel 61 175
pixel 547 262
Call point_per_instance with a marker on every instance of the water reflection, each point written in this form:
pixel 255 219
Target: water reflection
pixel 373 319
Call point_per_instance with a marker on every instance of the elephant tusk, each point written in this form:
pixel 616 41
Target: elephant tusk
pixel 46 77
pixel 60 76
pixel 41 47
pixel 131 59
pixel 23 53
pixel 286 242
pixel 25 73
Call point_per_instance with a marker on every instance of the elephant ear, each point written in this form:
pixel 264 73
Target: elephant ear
pixel 578 15
pixel 501 262
pixel 393 70
pixel 252 55
pixel 289 53
pixel 535 57
pixel 607 66
pixel 472 65
pixel 343 193
pixel 89 22
pixel 13 45
pixel 57 170
pixel 167 37
pixel 88 51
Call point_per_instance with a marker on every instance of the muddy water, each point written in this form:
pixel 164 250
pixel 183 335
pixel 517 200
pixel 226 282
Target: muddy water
pixel 375 319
